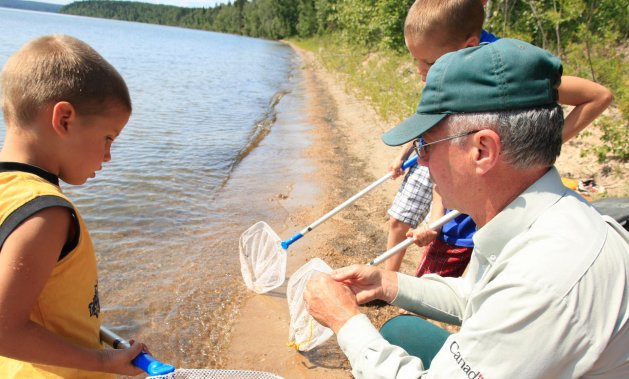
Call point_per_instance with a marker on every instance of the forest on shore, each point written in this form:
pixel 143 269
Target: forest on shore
pixel 590 36
pixel 30 5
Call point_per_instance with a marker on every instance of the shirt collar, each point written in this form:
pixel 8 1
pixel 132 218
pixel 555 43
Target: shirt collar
pixel 520 214
pixel 16 166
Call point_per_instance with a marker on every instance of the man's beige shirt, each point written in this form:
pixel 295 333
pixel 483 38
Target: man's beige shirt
pixel 546 296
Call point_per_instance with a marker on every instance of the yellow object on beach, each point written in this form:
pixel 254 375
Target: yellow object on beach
pixel 573 184
pixel 570 183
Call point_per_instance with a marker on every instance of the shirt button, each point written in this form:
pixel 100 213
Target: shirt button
pixel 492 258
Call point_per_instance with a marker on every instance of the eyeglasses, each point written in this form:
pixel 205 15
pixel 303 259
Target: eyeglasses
pixel 421 147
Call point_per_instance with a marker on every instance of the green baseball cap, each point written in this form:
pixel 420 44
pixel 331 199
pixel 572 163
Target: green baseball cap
pixel 504 75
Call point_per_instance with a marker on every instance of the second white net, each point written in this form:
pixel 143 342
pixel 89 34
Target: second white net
pixel 305 332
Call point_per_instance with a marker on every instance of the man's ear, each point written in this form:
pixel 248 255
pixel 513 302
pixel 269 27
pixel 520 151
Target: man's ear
pixel 487 150
pixel 63 115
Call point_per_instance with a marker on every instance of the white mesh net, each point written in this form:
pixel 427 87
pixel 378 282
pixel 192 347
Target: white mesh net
pixel 262 259
pixel 217 374
pixel 304 332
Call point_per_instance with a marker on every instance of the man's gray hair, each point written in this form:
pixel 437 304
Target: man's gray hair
pixel 529 137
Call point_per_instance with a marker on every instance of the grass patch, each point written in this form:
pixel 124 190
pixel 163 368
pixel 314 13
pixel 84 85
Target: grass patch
pixel 388 80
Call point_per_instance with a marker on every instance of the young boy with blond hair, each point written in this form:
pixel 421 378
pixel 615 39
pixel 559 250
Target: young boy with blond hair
pixel 64 105
pixel 437 27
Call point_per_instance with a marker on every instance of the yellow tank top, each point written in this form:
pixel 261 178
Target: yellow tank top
pixel 68 305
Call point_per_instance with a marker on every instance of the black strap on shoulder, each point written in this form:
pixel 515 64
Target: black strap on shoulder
pixel 38 204
pixel 15 166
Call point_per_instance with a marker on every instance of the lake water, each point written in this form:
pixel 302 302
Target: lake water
pixel 218 130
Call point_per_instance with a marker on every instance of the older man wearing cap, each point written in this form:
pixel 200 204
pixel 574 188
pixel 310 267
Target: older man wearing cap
pixel 546 294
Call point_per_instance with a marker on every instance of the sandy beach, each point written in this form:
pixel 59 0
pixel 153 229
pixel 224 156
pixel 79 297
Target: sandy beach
pixel 349 155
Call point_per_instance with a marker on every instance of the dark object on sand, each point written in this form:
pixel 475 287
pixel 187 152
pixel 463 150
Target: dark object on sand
pixel 616 207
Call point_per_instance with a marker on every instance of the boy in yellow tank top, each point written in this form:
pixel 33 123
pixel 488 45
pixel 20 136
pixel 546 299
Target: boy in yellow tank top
pixel 63 105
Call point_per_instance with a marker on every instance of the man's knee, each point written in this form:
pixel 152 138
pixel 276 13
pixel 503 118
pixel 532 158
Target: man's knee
pixel 415 335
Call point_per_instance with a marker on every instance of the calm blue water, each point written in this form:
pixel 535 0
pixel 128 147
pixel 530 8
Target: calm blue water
pixel 217 131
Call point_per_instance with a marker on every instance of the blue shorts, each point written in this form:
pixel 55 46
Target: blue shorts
pixel 412 202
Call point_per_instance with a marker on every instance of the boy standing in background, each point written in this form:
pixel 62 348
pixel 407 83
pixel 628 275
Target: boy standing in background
pixel 432 29
pixel 63 105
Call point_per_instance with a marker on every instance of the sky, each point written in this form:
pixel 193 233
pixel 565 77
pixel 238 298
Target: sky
pixel 179 3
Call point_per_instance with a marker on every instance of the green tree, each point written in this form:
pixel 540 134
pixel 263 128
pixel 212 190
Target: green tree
pixel 307 20
pixel 391 16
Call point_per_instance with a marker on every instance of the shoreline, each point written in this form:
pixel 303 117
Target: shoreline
pixel 348 155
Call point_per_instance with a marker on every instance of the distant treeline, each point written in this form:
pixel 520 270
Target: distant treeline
pixel 271 19
pixel 30 5
pixel 576 30
pixel 552 24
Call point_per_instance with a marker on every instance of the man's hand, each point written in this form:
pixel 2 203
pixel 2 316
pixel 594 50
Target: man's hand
pixel 368 282
pixel 331 303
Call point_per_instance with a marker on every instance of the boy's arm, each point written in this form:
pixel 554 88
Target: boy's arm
pixel 27 259
pixel 589 100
